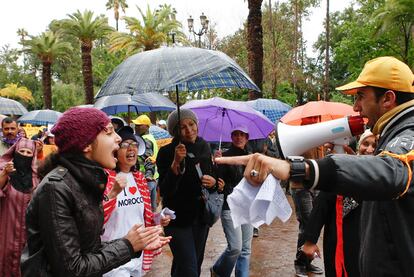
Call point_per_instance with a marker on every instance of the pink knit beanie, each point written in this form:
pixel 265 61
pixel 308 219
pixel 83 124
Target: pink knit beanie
pixel 78 127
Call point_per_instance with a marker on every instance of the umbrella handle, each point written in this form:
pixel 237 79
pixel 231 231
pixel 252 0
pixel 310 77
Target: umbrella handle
pixel 221 128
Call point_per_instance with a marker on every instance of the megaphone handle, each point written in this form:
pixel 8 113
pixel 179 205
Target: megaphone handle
pixel 339 149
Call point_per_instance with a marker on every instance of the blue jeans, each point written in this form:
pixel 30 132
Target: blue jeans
pixel 187 246
pixel 303 202
pixel 238 249
pixel 152 187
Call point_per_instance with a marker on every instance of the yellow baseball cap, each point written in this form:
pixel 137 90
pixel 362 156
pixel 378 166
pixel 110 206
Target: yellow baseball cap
pixel 142 120
pixel 383 72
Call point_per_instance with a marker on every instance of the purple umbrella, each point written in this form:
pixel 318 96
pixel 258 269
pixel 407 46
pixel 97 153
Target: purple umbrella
pixel 218 116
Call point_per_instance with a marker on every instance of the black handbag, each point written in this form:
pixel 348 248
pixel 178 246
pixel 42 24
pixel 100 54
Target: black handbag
pixel 213 203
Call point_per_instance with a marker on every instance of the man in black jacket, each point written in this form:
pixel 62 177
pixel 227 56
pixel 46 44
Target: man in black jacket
pixel 385 96
pixel 237 253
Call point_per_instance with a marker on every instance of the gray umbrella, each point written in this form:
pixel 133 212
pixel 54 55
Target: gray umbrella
pixel 11 107
pixel 175 68
pixel 40 117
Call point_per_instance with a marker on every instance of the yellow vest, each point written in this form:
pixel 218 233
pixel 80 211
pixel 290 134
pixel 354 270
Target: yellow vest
pixel 154 156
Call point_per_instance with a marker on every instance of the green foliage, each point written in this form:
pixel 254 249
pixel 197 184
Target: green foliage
pixel 343 98
pixel 48 47
pixel 355 40
pixel 286 94
pixel 66 96
pixel 235 47
pixel 149 33
pixel 104 63
pixel 86 27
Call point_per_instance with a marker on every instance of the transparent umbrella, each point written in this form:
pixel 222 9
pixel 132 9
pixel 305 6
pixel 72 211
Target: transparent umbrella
pixel 40 117
pixel 175 68
pixel 11 107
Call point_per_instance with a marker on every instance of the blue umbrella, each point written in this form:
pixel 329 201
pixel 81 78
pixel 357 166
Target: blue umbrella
pixel 144 102
pixel 11 107
pixel 40 117
pixel 271 108
pixel 218 116
pixel 158 132
pixel 175 68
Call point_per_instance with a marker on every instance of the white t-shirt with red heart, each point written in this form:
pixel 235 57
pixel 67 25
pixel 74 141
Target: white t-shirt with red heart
pixel 129 210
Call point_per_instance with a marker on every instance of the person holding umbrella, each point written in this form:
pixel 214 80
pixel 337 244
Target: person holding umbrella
pixel 184 166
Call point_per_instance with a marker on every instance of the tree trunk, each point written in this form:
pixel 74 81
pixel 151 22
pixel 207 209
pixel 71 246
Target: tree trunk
pixel 326 90
pixel 255 45
pixel 87 72
pixel 47 84
pixel 274 53
pixel 295 52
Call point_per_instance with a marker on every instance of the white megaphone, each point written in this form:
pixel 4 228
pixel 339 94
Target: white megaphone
pixel 296 140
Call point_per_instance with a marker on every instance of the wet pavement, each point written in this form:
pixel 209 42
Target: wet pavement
pixel 273 252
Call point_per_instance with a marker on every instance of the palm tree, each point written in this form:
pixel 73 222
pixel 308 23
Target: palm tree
pixel 400 14
pixel 87 29
pixel 148 34
pixel 22 33
pixel 13 91
pixel 115 4
pixel 255 44
pixel 48 46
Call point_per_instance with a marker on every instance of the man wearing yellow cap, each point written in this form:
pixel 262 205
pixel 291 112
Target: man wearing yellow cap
pixel 385 96
pixel 147 160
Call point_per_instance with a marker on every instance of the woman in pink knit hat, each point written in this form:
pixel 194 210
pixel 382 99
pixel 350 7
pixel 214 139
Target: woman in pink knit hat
pixel 65 217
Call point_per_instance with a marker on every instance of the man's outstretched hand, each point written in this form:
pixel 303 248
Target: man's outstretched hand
pixel 258 167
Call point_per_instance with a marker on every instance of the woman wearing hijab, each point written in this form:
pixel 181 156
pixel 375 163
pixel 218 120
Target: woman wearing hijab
pixel 18 179
pixel 128 202
pixel 341 217
pixel 184 166
pixel 65 217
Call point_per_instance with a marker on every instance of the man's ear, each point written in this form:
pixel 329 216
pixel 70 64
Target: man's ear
pixel 389 100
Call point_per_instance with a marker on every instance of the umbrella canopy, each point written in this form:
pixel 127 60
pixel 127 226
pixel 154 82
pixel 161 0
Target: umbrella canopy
pixel 175 68
pixel 158 132
pixel 144 102
pixel 11 107
pixel 40 117
pixel 271 108
pixel 325 110
pixel 85 106
pixel 218 116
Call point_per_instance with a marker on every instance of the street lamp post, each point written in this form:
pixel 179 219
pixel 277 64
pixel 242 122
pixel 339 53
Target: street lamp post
pixel 204 27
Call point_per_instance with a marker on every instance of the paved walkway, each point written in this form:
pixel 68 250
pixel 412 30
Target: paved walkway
pixel 273 252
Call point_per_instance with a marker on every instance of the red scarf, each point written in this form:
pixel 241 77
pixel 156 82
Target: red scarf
pixel 339 253
pixel 110 205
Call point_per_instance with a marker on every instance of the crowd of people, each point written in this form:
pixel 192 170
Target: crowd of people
pixel 81 199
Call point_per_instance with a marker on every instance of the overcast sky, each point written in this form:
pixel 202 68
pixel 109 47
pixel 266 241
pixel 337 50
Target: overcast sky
pixel 227 15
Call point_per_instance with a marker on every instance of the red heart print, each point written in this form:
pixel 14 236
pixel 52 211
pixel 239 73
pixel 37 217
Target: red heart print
pixel 132 190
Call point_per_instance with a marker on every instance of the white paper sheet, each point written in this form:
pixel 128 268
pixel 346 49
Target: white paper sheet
pixel 258 205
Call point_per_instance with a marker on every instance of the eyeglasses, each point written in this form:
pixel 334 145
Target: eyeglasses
pixel 129 144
